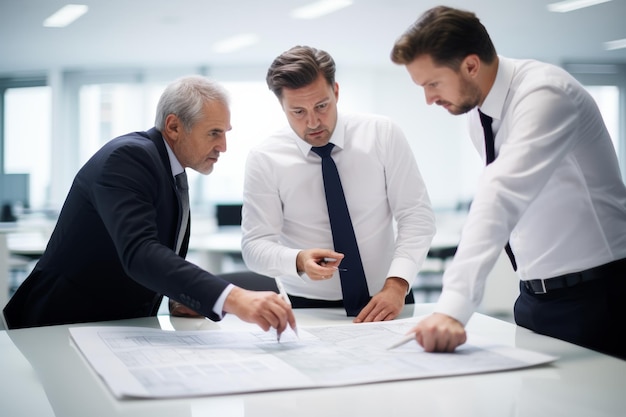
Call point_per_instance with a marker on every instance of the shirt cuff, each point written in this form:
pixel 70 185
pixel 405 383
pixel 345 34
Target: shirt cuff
pixel 288 263
pixel 455 305
pixel 403 268
pixel 218 308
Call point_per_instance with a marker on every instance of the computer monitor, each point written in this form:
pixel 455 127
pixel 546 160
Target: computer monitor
pixel 228 214
pixel 14 191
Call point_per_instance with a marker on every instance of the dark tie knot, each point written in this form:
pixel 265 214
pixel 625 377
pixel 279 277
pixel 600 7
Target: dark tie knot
pixel 323 151
pixel 181 181
pixel 485 120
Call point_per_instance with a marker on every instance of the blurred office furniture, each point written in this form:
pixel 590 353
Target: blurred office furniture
pixel 217 247
pixel 4 269
pixel 228 215
pixel 428 283
pixel 14 195
pixel 21 244
pixel 449 223
pixel 216 251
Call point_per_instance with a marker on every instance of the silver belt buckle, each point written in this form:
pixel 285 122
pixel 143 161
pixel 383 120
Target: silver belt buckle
pixel 543 287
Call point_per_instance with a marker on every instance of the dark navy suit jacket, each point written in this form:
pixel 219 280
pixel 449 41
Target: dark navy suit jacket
pixel 111 253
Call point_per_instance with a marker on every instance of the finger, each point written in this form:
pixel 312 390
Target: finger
pixel 291 319
pixel 390 315
pixel 449 345
pixel 262 323
pixel 282 321
pixel 364 313
pixel 377 314
pixel 426 341
pixel 281 310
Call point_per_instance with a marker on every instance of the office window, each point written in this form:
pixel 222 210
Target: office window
pixel 110 110
pixel 27 138
pixel 255 113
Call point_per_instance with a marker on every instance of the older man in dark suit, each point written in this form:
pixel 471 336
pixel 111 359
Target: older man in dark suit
pixel 116 248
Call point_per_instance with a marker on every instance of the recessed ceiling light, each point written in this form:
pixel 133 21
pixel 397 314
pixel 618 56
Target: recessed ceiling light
pixel 319 8
pixel 65 15
pixel 616 44
pixel 569 5
pixel 236 42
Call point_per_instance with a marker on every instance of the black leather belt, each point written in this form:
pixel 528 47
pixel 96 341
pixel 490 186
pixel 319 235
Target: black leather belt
pixel 542 286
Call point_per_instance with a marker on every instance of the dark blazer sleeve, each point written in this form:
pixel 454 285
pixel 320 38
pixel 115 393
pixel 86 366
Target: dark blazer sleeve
pixel 133 190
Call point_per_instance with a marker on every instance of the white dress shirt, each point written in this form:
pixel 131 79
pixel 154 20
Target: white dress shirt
pixel 284 205
pixel 554 190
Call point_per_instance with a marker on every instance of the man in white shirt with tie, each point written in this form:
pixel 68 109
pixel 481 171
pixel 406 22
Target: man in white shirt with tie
pixel 285 219
pixel 554 191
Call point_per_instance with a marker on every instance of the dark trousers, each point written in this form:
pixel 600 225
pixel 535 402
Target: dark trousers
pixel 590 314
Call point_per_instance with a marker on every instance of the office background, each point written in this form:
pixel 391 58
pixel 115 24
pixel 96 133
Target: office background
pixel 66 91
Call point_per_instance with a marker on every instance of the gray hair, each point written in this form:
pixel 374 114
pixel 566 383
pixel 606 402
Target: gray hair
pixel 185 98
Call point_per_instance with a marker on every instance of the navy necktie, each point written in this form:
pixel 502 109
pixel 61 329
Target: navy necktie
pixel 353 283
pixel 182 187
pixel 490 153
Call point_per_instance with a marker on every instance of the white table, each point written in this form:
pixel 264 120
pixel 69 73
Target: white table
pixel 23 238
pixel 58 381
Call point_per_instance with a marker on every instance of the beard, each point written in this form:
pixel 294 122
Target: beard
pixel 469 98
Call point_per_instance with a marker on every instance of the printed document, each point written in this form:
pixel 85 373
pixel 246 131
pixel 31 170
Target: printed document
pixel 153 363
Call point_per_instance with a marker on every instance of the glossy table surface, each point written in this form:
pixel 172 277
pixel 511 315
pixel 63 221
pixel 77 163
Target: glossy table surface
pixel 44 375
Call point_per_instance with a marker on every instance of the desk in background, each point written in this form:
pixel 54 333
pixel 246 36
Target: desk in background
pixel 210 246
pixel 211 250
pixel 20 242
pixel 58 381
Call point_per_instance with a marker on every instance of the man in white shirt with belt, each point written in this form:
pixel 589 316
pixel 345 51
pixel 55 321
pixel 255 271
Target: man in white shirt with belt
pixel 553 191
pixel 285 219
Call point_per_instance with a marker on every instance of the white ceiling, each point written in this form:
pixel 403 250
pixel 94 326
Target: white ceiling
pixel 176 33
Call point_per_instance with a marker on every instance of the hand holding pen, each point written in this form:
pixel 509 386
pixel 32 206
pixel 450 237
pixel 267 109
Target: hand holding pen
pixel 283 294
pixel 319 264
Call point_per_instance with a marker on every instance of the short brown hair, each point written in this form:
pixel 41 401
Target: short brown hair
pixel 299 67
pixel 448 35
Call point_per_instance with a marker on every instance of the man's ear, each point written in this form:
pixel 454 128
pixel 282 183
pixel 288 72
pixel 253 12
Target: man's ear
pixel 173 126
pixel 471 65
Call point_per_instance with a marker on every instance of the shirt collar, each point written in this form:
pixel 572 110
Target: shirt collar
pixel 177 168
pixel 494 102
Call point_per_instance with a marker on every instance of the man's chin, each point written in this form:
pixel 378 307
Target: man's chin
pixel 205 170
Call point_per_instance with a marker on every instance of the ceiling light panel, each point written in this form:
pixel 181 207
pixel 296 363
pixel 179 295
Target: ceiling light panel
pixel 319 9
pixel 235 43
pixel 616 44
pixel 570 5
pixel 65 15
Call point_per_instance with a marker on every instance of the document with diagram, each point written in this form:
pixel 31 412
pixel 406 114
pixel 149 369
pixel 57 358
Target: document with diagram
pixel 154 363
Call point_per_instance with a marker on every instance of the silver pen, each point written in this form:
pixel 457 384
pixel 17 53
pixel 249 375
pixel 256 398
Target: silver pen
pixel 406 339
pixel 283 294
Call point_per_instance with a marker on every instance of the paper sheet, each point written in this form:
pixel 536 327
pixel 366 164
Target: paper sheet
pixel 153 363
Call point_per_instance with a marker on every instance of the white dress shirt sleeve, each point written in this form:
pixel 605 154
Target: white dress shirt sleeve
pixel 538 136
